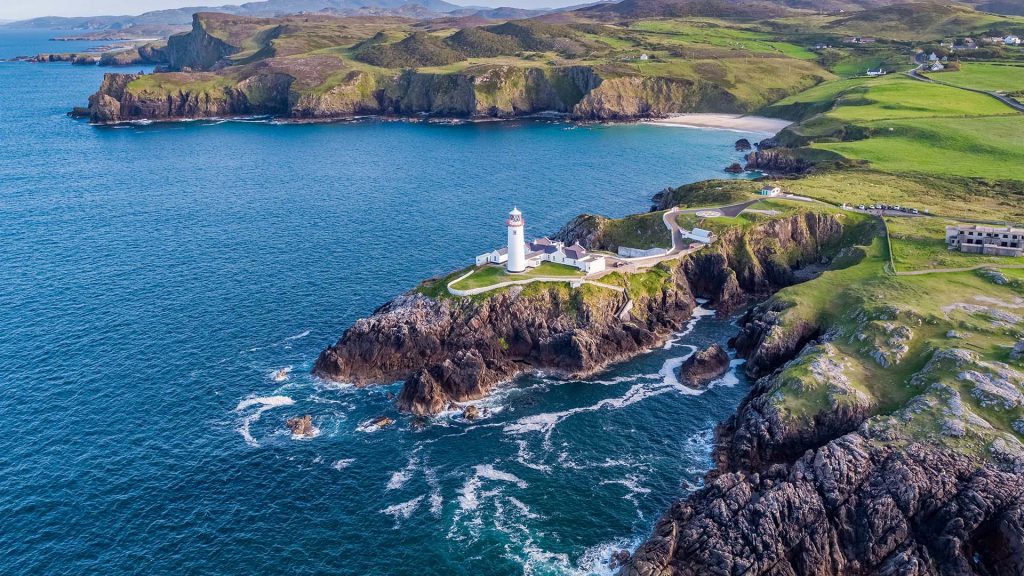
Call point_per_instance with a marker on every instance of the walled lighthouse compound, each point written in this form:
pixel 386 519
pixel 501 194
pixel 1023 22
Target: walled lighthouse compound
pixel 519 255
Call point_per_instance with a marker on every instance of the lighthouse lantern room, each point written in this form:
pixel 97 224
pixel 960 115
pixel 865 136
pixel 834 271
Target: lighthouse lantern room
pixel 516 242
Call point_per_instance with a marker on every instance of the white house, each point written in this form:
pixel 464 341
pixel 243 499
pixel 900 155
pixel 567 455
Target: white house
pixel 1012 40
pixel 499 256
pixel 936 67
pixel 645 57
pixel 770 191
pixel 879 72
pixel 698 234
pixel 933 57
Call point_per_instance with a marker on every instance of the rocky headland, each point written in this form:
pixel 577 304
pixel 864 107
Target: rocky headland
pixel 861 448
pixel 236 66
pixel 449 350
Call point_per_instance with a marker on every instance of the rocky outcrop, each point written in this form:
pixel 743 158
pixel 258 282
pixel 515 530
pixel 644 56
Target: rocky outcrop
pixel 757 261
pixel 455 350
pixel 197 49
pixel 302 427
pixel 852 506
pixel 449 350
pixel 118 99
pixel 808 480
pixel 777 161
pixel 704 366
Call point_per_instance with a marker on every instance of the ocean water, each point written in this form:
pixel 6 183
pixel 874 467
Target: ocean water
pixel 153 278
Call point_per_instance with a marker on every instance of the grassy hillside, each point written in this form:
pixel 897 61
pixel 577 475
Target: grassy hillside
pixel 900 125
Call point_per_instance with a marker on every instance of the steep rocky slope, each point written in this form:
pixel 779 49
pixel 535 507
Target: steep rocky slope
pixel 452 350
pixel 318 67
pixel 878 439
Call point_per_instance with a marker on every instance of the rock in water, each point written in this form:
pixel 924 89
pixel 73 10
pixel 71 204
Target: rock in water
pixel 742 145
pixel 301 426
pixel 734 168
pixel 471 413
pixel 382 421
pixel 704 366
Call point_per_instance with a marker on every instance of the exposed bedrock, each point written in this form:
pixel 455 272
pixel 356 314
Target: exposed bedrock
pixel 850 507
pixel 453 350
pixel 578 92
pixel 449 350
pixel 831 487
pixel 704 366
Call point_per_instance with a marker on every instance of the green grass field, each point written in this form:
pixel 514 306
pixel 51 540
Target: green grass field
pixel 943 195
pixel 897 96
pixel 490 275
pixel 986 76
pixel 983 147
pixel 720 35
pixel 919 244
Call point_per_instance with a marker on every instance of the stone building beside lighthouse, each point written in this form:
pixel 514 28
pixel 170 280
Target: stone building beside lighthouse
pixel 518 255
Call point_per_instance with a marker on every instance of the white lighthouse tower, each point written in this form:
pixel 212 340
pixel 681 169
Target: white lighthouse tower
pixel 516 242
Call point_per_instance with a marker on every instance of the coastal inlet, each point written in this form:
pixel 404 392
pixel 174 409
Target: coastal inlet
pixel 165 299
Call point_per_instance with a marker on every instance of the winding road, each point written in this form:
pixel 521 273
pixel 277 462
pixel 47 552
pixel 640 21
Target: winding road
pixel 916 75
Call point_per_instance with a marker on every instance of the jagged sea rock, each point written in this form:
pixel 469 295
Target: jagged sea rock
pixel 742 145
pixel 704 366
pixel 301 427
pixel 776 161
pixel 734 168
pixel 471 413
pixel 382 421
pixel 851 506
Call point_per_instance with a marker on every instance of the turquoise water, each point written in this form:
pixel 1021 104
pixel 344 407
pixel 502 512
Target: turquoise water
pixel 152 278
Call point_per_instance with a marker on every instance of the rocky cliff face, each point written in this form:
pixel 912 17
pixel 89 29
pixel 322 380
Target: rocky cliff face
pixel 579 92
pixel 453 350
pixel 197 49
pixel 837 488
pixel 851 507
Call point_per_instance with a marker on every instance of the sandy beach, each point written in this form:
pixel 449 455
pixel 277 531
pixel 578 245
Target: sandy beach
pixel 724 121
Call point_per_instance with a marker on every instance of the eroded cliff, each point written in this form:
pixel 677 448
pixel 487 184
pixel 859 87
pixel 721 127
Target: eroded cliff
pixel 449 349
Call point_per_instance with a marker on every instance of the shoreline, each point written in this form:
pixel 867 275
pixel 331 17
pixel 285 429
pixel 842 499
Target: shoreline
pixel 697 121
pixel 733 122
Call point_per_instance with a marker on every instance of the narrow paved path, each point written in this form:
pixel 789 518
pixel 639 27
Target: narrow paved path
pixel 1001 97
pixel 679 249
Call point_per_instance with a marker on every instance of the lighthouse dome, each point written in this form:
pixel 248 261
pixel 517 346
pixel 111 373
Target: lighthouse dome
pixel 515 217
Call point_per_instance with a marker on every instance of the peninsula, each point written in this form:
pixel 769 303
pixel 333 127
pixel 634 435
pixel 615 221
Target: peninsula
pixel 884 433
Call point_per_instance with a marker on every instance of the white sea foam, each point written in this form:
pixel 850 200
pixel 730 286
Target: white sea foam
pixel 489 472
pixel 299 335
pixel 343 463
pixel 523 508
pixel 263 404
pixel 436 501
pixel 595 560
pixel 398 479
pixel 546 422
pixel 403 511
pixel 468 498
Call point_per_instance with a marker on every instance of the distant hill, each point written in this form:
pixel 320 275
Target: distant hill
pixel 758 9
pixel 266 8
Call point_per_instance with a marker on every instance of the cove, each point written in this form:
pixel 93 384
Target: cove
pixel 155 278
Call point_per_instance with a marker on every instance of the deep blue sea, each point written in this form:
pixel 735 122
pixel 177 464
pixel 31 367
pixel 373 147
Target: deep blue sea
pixel 152 278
